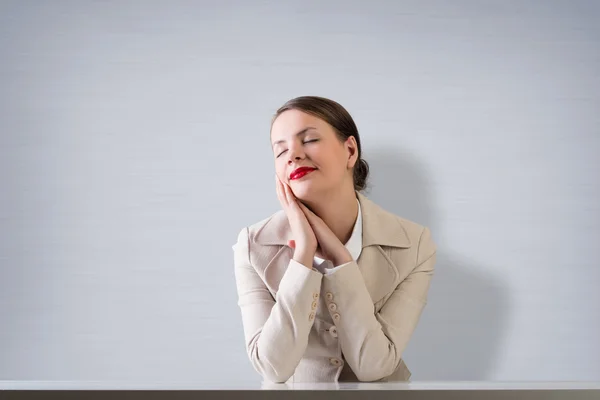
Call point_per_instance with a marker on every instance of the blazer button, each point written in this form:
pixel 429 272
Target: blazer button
pixel 314 304
pixel 311 316
pixel 315 296
pixel 332 307
pixel 335 362
pixel 329 296
pixel 336 317
pixel 333 331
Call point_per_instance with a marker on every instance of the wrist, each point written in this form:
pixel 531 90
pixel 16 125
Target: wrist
pixel 304 257
pixel 342 258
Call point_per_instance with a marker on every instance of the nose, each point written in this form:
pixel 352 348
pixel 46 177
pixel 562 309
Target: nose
pixel 295 154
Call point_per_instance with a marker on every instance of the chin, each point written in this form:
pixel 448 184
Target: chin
pixel 304 190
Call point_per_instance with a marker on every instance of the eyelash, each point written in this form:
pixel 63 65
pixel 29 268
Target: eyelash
pixel 308 141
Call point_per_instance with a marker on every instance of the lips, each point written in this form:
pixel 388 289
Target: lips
pixel 300 172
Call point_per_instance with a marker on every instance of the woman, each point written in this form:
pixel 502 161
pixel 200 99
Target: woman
pixel 332 286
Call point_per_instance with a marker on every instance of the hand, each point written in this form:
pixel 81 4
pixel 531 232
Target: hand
pixel 331 248
pixel 304 242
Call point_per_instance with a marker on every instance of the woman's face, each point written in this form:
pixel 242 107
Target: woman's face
pixel 303 140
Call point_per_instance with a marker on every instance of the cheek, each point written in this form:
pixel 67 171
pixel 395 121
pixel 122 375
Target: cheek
pixel 335 164
pixel 280 168
pixel 321 155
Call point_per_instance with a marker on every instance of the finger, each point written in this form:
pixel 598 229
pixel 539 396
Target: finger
pixel 289 189
pixel 292 244
pixel 288 192
pixel 313 219
pixel 304 209
pixel 280 191
pixel 309 214
pixel 281 188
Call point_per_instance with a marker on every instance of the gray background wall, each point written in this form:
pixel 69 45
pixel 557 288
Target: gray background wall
pixel 134 147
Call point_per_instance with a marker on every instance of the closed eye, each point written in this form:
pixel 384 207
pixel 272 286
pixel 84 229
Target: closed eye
pixel 281 153
pixel 305 142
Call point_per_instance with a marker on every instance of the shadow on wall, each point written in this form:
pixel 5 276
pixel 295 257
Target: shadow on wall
pixel 460 334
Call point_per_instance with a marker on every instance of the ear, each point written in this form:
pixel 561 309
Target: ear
pixel 352 150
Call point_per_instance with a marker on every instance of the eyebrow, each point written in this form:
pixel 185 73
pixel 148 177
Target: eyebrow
pixel 302 132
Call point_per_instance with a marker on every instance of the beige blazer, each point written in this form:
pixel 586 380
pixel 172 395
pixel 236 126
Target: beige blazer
pixel 351 325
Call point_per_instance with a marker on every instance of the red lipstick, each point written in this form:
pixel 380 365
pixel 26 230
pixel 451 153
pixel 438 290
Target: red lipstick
pixel 300 172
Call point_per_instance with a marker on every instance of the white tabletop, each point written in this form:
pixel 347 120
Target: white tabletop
pixel 422 385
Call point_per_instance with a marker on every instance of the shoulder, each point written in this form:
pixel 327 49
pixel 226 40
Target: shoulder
pixel 411 227
pixel 259 243
pixel 259 225
pixel 387 227
pixel 414 230
pixel 420 238
pixel 269 230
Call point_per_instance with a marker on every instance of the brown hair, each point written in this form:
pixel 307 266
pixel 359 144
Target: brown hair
pixel 335 115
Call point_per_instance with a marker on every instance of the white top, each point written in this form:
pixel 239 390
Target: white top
pixel 354 246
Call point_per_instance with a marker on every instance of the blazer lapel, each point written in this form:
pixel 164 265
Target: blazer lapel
pixel 382 231
pixel 273 255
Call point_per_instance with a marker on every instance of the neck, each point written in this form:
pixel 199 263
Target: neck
pixel 339 210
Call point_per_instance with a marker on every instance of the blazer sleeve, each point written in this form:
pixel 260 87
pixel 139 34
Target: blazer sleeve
pixel 275 329
pixel 373 343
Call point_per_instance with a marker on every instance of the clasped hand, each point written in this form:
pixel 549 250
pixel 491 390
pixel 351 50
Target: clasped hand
pixel 310 233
